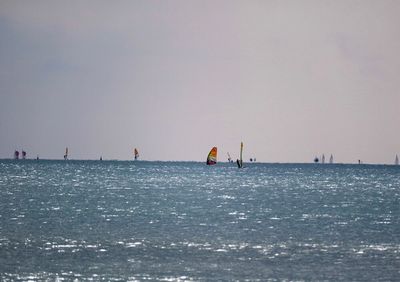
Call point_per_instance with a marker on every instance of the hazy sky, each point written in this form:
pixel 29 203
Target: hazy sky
pixel 291 79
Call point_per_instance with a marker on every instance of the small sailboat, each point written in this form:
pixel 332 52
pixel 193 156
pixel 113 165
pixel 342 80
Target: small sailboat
pixel 136 154
pixel 331 159
pixel 212 156
pixel 396 160
pixel 240 161
pixel 323 159
pixel 66 154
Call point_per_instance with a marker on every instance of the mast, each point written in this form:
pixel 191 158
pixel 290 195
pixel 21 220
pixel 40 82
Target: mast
pixel 240 161
pixel 241 154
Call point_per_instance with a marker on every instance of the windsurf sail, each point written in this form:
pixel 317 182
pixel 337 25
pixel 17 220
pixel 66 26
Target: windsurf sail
pixel 16 155
pixel 229 158
pixel 212 156
pixel 136 153
pixel 23 154
pixel 396 161
pixel 331 159
pixel 66 154
pixel 240 161
pixel 323 159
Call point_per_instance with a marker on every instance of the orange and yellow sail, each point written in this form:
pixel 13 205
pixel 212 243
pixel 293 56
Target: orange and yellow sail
pixel 212 156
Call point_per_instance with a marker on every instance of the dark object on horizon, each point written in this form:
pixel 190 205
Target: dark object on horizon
pixel 101 158
pixel 16 155
pixel 37 157
pixel 251 159
pixel 66 154
pixel 23 154
pixel 359 161
pixel 316 160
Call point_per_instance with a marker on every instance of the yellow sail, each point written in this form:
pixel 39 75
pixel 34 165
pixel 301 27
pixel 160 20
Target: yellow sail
pixel 212 156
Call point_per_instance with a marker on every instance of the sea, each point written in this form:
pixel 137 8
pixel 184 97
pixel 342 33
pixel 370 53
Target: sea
pixel 186 221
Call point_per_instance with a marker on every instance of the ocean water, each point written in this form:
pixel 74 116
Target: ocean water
pixel 178 221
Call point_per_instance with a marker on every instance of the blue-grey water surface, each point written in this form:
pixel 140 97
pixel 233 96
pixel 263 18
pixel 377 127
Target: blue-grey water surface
pixel 168 221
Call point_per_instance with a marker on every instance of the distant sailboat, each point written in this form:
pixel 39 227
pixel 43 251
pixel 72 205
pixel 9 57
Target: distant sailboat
pixel 16 155
pixel 23 154
pixel 331 159
pixel 240 161
pixel 323 159
pixel 212 156
pixel 396 161
pixel 66 154
pixel 136 153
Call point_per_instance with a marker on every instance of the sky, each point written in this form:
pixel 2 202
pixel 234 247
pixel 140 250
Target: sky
pixel 291 79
